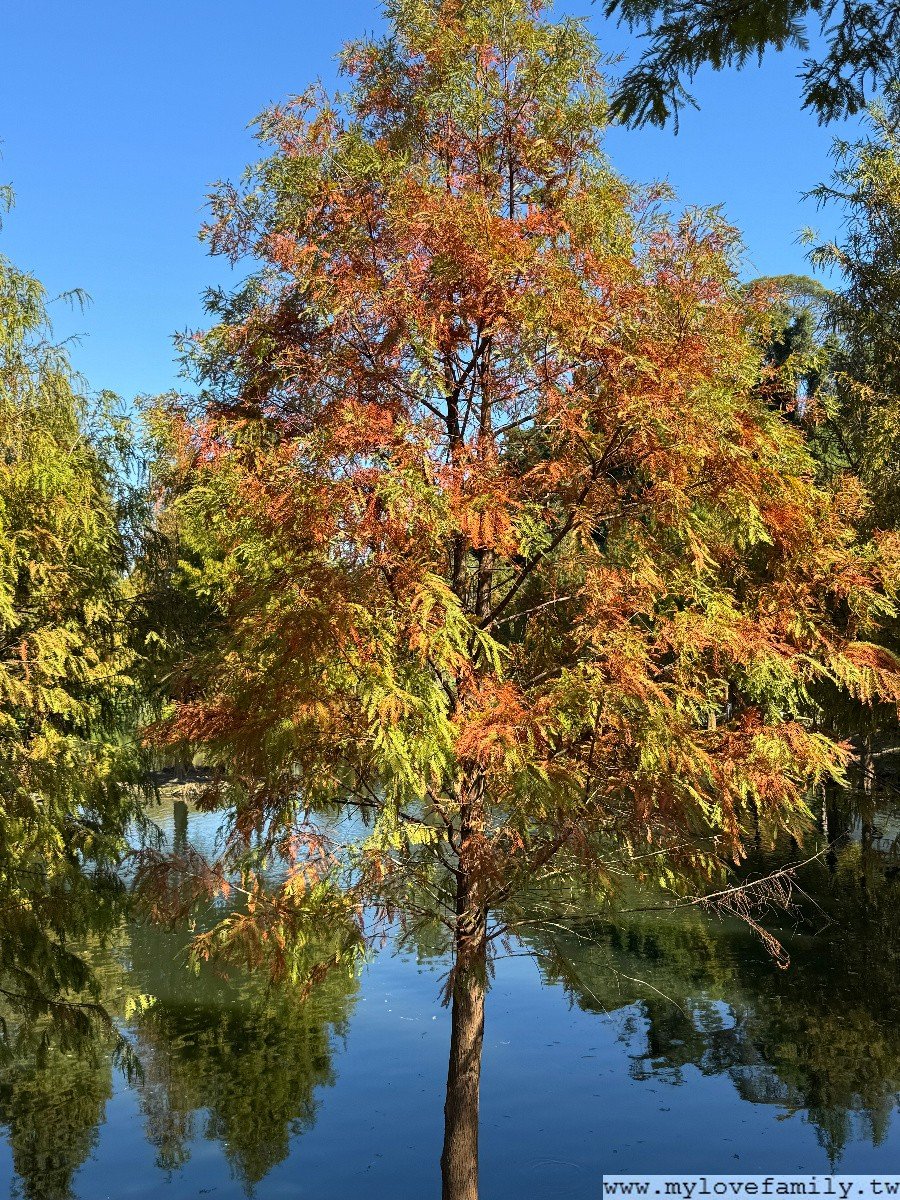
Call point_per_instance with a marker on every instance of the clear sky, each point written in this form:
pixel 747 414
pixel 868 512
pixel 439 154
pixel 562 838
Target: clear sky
pixel 116 117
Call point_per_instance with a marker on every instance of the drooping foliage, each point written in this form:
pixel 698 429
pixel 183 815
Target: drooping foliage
pixel 863 425
pixel 65 690
pixel 855 432
pixel 861 49
pixel 516 574
pixel 509 555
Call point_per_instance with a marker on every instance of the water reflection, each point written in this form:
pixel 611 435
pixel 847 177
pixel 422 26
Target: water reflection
pixel 226 1060
pixel 52 1105
pixel 223 1058
pixel 233 1061
pixel 821 1037
pixel 231 1071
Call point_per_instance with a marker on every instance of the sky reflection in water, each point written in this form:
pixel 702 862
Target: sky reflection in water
pixel 715 1061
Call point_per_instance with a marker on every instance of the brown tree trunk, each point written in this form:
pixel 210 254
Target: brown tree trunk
pixel 180 826
pixel 867 766
pixel 459 1161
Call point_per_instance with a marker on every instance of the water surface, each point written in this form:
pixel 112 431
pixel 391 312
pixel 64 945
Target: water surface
pixel 654 1045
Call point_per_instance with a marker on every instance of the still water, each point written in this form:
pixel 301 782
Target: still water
pixel 652 1045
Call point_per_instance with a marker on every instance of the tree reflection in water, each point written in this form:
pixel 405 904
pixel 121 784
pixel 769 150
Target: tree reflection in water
pixel 235 1061
pixel 52 1103
pixel 231 1059
pixel 821 1037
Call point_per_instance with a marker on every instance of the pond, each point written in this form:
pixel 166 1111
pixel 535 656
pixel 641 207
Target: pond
pixel 653 1044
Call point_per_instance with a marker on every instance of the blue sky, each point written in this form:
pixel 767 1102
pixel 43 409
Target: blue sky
pixel 115 119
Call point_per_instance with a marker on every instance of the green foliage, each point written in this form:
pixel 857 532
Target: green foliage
pixel 800 348
pixel 853 422
pixel 862 44
pixel 67 694
pixel 863 423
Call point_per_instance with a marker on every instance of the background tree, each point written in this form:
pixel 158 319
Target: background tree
pixel 855 431
pixel 862 49
pixel 799 346
pixel 517 578
pixel 66 696
pixel 862 425
pixel 172 590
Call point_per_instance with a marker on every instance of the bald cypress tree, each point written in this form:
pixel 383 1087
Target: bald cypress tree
pixel 66 693
pixel 518 579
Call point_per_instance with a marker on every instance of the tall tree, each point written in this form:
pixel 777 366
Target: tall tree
pixel 800 347
pixel 863 423
pixel 517 577
pixel 862 49
pixel 855 431
pixel 65 691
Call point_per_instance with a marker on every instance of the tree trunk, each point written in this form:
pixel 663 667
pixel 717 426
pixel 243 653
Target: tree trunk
pixel 867 766
pixel 459 1161
pixel 180 826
